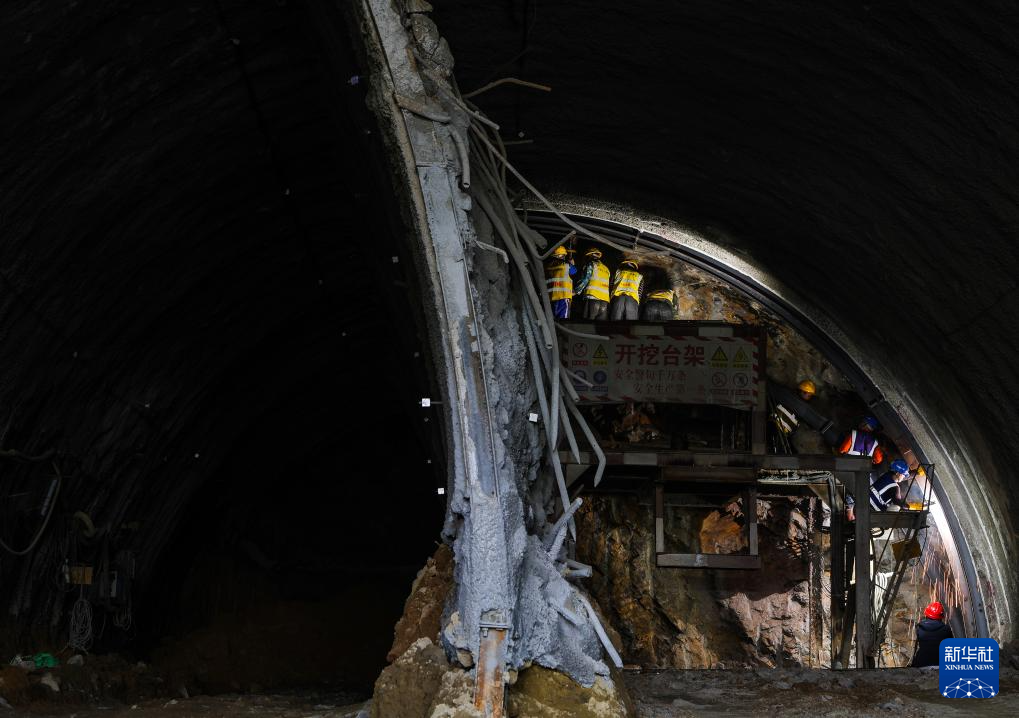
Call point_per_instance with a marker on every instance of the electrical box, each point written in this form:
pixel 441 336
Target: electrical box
pixel 80 575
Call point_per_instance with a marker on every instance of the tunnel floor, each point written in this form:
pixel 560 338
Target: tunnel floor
pixel 910 693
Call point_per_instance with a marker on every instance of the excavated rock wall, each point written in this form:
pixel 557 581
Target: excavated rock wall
pixel 699 618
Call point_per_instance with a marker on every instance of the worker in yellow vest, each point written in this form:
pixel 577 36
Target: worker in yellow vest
pixel 593 286
pixel 559 281
pixel 659 306
pixel 627 288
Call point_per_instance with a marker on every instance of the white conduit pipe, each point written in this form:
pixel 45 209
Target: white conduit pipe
pixel 514 251
pixel 572 408
pixel 571 438
pixel 569 222
pixel 609 648
pixel 538 241
pixel 558 532
pixel 567 330
pixel 575 377
pixel 564 417
pixel 557 469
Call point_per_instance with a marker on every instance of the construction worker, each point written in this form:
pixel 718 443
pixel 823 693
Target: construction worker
pixel 862 442
pixel 885 491
pixel 593 286
pixel 627 289
pixel 930 632
pixel 807 389
pixel 559 280
pixel 659 306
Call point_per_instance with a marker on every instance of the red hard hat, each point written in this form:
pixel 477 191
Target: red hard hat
pixel 935 611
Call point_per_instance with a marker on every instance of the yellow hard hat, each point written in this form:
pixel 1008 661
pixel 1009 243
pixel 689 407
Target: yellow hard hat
pixel 808 387
pixel 631 262
pixel 593 252
pixel 559 251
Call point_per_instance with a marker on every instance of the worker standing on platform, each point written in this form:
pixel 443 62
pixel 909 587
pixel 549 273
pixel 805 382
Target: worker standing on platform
pixel 627 289
pixel 559 280
pixel 659 306
pixel 593 286
pixel 862 442
pixel 930 632
pixel 885 491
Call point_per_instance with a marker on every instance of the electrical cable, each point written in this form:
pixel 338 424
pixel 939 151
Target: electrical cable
pixel 42 528
pixel 80 630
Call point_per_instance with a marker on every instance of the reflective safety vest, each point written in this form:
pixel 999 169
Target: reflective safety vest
pixel 627 283
pixel 883 492
pixel 662 295
pixel 558 281
pixel 862 443
pixel 598 286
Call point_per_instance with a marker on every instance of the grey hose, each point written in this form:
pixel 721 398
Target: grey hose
pixel 558 532
pixel 591 440
pixel 609 648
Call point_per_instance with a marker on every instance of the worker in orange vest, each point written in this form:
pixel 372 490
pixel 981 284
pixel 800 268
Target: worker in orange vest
pixel 659 306
pixel 593 286
pixel 627 289
pixel 862 442
pixel 559 281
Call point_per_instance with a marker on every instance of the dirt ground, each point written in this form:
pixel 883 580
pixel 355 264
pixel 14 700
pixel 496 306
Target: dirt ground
pixel 304 704
pixel 902 693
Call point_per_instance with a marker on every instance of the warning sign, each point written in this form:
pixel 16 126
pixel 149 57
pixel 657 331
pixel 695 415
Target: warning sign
pixel 672 369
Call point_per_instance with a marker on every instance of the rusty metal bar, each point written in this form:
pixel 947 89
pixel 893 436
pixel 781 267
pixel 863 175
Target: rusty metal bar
pixel 490 683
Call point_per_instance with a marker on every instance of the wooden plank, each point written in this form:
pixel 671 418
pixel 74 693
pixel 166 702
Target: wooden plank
pixel 707 560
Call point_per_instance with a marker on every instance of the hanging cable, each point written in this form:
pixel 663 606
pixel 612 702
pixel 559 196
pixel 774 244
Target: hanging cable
pixel 49 507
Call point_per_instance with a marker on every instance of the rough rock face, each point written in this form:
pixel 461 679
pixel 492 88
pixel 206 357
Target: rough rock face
pixel 408 687
pixel 541 693
pixel 422 613
pixel 694 618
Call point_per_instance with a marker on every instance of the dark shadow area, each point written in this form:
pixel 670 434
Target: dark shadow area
pixel 211 324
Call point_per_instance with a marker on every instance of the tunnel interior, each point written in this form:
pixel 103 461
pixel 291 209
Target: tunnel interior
pixel 213 338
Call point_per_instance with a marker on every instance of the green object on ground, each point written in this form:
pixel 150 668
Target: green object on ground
pixel 45 660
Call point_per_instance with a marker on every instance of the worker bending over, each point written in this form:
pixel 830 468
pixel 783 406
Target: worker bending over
pixel 930 632
pixel 862 442
pixel 627 289
pixel 559 280
pixel 886 491
pixel 593 286
pixel 659 306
